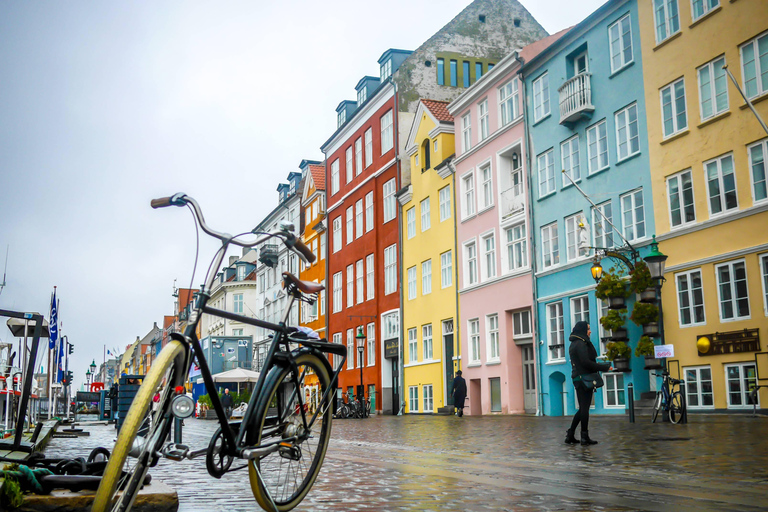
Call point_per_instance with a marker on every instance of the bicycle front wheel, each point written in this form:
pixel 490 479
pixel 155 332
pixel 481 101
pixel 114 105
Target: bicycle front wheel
pixel 126 473
pixel 656 406
pixel 676 408
pixel 288 473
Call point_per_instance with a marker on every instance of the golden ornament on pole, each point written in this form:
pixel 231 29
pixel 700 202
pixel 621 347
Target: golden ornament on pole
pixel 703 344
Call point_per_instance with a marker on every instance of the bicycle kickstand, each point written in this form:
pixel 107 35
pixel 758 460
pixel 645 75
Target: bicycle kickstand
pixel 264 486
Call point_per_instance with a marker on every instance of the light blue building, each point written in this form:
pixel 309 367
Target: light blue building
pixel 585 113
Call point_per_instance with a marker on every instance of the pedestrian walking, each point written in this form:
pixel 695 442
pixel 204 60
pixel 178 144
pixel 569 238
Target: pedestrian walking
pixel 459 392
pixel 227 402
pixel 585 367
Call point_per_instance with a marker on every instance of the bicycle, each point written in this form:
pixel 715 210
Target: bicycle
pixel 668 400
pixel 282 444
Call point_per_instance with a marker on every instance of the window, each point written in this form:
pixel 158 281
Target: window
pixel 540 97
pixel 633 215
pixel 386 132
pixel 465 72
pixel 517 250
pixel 478 70
pixel 359 280
pixel 597 147
pixel 702 7
pixel 569 153
pixel 764 270
pixel 341 117
pixel 713 89
pixel 575 245
pixel 508 98
pixel 489 256
pixel 602 230
pixel 492 322
pixel 667 18
pixel 359 218
pixel 412 345
pixel 614 389
pixel 350 350
pixel 336 339
pixel 412 283
pixel 238 303
pixel 391 327
pixel 549 247
pixel 358 156
pixel 604 333
pixel 470 276
pixel 454 73
pixel 579 309
pixel 690 298
pixel 390 269
pixel 427 390
pixel 350 167
pixel 362 95
pixel 673 116
pixel 521 324
pixel 350 286
pixel 620 39
pixel 425 219
pixel 721 182
pixel 426 341
pixel 627 135
pixel 466 131
pixel 241 272
pixel 337 234
pixel 321 298
pixel 350 225
pixel 698 387
pixel 368 147
pixel 444 196
pixel 389 200
pixel 426 277
pixel 757 157
pixel 322 246
pixel 335 176
pixel 413 391
pixel 446 269
pixel 482 115
pixel 371 341
pixel 740 380
pixel 474 341
pixel 487 179
pixel 494 386
pixel 680 193
pixel 385 70
pixel 440 72
pixel 468 184
pixel 369 284
pixel 754 66
pixel 555 331
pixel 546 165
pixel 368 212
pixel 732 290
pixel 337 301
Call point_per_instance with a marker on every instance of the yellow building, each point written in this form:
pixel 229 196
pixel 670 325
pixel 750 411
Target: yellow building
pixel 707 154
pixel 429 299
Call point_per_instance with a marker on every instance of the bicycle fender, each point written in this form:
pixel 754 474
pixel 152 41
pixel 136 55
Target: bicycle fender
pixel 308 350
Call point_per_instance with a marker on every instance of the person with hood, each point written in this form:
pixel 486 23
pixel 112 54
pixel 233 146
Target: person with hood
pixel 459 393
pixel 583 361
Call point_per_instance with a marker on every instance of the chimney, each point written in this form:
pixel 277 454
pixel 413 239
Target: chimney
pixel 232 260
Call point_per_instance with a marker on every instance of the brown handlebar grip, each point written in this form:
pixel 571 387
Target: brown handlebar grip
pixel 161 202
pixel 304 250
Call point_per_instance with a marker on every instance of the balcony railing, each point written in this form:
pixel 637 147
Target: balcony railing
pixel 576 98
pixel 512 201
pixel 268 254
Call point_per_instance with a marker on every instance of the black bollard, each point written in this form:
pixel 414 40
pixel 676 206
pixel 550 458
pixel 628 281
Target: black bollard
pixel 177 430
pixel 684 418
pixel 631 401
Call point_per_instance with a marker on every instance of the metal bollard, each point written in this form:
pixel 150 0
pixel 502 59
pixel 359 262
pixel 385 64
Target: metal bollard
pixel 631 401
pixel 684 419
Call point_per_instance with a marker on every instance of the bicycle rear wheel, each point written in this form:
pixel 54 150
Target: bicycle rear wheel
pixel 676 408
pixel 290 472
pixel 656 406
pixel 126 473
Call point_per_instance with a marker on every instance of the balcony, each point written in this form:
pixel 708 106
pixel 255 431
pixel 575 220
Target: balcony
pixel 512 202
pixel 576 99
pixel 268 254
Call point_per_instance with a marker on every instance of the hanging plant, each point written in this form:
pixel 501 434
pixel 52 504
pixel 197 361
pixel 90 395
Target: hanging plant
pixel 644 313
pixel 640 278
pixel 644 347
pixel 611 285
pixel 614 320
pixel 616 350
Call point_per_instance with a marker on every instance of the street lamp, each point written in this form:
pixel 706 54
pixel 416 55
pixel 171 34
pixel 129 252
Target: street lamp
pixel 656 261
pixel 597 269
pixel 360 347
pixel 93 374
pixel 88 379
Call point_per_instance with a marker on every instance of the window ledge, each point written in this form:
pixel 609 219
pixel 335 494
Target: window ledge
pixel 630 157
pixel 495 362
pixel 543 119
pixel 622 68
pixel 675 136
pixel 705 16
pixel 468 217
pixel 714 119
pixel 756 99
pixel 474 365
pixel 599 171
pixel 667 40
pixel 558 361
pixel 485 209
pixel 546 195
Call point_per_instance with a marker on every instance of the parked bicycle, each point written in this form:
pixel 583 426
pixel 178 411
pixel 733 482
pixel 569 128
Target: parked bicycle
pixel 353 408
pixel 282 444
pixel 669 399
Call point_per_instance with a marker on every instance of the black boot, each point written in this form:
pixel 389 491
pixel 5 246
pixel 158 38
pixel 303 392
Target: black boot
pixel 585 440
pixel 569 438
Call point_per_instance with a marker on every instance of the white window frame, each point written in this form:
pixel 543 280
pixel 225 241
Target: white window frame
pixel 516 244
pixel 413 398
pixel 707 6
pixel 369 277
pixel 335 185
pixel 473 328
pixel 673 89
pixel 413 345
pixel 617 43
pixel 697 382
pixel 541 108
pixel 632 196
pixel 482 116
pixel 336 339
pixel 667 22
pixel 371 342
pixel 390 269
pixel 574 251
pixel 624 132
pixel 570 160
pixel 466 132
pixel 471 274
pixel 469 204
pixel 677 180
pixel 424 209
pixel 485 172
pixel 763 262
pixel 426 342
pixel 761 85
pixel 605 237
pixel 237 303
pixel 580 309
pixel 492 328
pixel 426 277
pixel 732 289
pixel 411 273
pixel 612 385
pixel 444 198
pixel 388 193
pixel 597 142
pixel 368 147
pixel 721 179
pixel 369 212
pixel 763 147
pixel 689 295
pixel 350 349
pixel 518 325
pixel 359 281
pixel 508 102
pixel 555 312
pixel 350 286
pixel 410 222
pixel 545 164
pixel 338 301
pixel 550 246
pixel 387 133
pixel 349 171
pixel 429 403
pixel 358 156
pixel 446 269
pixel 711 70
pixel 488 265
pixel 358 218
pixel 337 242
pixel 350 220
pixel 743 383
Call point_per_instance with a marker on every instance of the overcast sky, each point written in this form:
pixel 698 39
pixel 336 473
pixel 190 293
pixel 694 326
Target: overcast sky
pixel 106 105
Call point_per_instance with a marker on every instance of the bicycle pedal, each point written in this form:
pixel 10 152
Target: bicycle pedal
pixel 177 452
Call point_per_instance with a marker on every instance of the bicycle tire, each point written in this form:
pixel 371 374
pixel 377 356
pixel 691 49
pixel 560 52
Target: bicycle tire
pixel 656 406
pixel 169 360
pixel 676 407
pixel 277 387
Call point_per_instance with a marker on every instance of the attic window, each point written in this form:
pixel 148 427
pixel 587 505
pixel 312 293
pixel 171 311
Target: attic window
pixel 516 21
pixel 481 18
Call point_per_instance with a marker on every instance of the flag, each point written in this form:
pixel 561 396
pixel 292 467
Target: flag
pixel 53 327
pixel 109 353
pixel 60 372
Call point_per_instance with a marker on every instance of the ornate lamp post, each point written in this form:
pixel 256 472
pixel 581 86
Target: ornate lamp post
pixel 93 373
pixel 88 379
pixel 360 337
pixel 656 260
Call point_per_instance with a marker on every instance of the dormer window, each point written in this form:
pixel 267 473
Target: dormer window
pixel 362 95
pixel 342 118
pixel 386 69
pixel 241 272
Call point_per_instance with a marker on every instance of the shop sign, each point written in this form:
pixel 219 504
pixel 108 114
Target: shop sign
pixel 390 348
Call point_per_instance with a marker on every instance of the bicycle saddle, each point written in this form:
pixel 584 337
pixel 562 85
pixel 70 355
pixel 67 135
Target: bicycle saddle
pixel 304 286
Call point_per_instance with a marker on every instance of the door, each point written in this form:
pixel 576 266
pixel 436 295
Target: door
pixel 529 380
pixel 395 386
pixel 580 63
pixel 448 351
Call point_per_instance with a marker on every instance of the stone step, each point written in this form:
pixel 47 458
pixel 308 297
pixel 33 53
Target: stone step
pixel 445 411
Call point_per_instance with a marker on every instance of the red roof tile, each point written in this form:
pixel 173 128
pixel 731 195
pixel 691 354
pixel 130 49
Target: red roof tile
pixel 318 176
pixel 439 109
pixel 533 49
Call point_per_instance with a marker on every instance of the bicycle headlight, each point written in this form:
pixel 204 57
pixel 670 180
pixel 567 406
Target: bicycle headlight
pixel 183 406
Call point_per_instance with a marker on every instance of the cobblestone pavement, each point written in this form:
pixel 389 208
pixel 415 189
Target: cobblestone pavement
pixel 493 463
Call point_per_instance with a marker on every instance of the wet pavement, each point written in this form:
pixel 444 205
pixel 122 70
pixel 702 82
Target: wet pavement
pixel 494 463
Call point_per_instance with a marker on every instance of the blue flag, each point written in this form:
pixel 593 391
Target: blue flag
pixel 53 327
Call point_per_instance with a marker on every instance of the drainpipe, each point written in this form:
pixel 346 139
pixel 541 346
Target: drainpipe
pixel 457 324
pixel 398 181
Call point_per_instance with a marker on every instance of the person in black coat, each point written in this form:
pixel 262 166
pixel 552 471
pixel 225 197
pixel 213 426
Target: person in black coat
pixel 227 402
pixel 583 361
pixel 459 392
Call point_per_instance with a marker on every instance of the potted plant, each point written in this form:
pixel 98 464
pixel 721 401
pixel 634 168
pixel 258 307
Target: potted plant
pixel 619 352
pixel 646 315
pixel 614 322
pixel 613 288
pixel 645 348
pixel 641 282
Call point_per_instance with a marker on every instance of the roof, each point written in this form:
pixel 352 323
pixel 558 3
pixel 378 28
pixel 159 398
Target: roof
pixel 439 109
pixel 318 176
pixel 533 49
pixel 186 295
